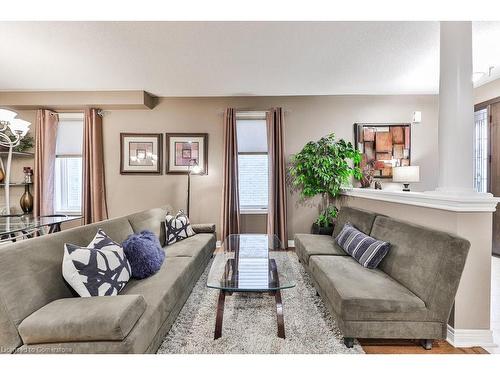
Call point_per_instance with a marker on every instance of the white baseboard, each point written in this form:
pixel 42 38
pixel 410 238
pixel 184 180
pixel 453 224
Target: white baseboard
pixel 461 338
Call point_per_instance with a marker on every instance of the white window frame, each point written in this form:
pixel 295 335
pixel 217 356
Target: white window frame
pixel 70 116
pixel 253 115
pixel 64 182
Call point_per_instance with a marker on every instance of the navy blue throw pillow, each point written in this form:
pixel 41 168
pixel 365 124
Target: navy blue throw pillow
pixel 368 251
pixel 144 253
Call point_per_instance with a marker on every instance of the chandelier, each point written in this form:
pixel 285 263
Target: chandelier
pixel 12 130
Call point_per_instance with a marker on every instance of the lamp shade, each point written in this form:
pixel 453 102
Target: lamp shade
pixel 6 115
pixel 19 126
pixel 406 174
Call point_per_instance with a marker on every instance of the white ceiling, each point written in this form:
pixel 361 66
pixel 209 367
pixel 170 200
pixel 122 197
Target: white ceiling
pixel 232 58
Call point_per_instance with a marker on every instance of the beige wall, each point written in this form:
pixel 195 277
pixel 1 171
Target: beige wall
pixel 306 118
pixel 486 92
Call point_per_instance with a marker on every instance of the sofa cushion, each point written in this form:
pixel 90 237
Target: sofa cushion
pixel 426 261
pixel 161 291
pixel 99 269
pixel 363 220
pixel 315 244
pixel 203 228
pixel 144 252
pixel 357 293
pixel 83 319
pixel 151 220
pixel 367 251
pixel 177 228
pixel 192 246
pixel 118 229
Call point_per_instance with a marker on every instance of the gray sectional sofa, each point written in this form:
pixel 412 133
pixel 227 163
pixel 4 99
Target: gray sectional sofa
pixel 39 314
pixel 409 296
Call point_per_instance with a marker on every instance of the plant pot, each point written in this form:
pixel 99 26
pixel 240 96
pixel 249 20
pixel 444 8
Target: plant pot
pixel 316 229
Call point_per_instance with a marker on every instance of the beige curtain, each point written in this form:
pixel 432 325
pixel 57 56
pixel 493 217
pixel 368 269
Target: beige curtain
pixel 45 159
pixel 94 205
pixel 230 198
pixel 276 217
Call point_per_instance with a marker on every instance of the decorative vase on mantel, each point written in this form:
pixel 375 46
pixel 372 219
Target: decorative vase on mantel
pixel 26 201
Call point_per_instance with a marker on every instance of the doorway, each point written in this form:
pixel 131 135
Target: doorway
pixel 487 157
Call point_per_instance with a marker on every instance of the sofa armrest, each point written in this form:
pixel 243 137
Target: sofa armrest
pixel 203 228
pixel 109 318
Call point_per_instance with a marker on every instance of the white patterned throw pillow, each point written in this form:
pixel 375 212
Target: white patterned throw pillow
pixel 100 269
pixel 177 227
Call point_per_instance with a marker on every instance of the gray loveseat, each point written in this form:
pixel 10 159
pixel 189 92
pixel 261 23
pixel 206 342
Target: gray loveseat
pixel 410 294
pixel 39 315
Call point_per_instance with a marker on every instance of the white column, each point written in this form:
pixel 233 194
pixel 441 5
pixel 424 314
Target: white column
pixel 456 109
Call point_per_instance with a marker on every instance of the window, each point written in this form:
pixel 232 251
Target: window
pixel 481 150
pixel 252 162
pixel 68 167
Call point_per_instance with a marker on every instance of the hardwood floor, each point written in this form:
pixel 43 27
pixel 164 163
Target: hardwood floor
pixel 372 346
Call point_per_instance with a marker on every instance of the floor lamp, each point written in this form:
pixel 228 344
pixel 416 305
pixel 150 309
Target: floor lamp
pixel 194 168
pixel 10 126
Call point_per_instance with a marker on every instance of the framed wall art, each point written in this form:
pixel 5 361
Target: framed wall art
pixel 383 146
pixel 185 150
pixel 141 153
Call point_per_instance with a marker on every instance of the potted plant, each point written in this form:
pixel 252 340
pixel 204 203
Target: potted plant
pixel 323 168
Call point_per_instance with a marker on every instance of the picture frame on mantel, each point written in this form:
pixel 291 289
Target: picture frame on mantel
pixel 141 153
pixel 384 146
pixel 184 150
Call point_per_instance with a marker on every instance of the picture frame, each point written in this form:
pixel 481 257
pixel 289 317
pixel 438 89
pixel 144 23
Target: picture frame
pixel 141 153
pixel 384 145
pixel 185 150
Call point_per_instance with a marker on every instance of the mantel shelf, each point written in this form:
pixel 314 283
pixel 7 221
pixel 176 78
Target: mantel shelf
pixel 479 202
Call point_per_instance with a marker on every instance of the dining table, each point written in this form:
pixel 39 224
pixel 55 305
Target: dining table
pixel 17 227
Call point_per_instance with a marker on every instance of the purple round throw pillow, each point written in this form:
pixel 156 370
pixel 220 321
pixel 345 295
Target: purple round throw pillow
pixel 144 253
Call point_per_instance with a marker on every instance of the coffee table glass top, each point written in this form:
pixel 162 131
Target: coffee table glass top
pixel 251 263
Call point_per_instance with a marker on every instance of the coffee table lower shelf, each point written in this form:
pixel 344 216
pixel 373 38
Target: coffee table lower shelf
pixel 277 297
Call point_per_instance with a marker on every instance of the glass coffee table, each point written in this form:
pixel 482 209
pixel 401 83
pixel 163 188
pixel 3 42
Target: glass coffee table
pixel 251 263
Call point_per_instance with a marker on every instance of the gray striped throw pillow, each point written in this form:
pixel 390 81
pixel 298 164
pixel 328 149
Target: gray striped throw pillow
pixel 368 251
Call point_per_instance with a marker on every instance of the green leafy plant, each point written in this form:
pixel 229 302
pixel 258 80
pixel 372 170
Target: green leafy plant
pixel 323 168
pixel 327 216
pixel 25 144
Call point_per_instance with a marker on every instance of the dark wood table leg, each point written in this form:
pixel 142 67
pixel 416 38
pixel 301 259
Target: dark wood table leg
pixel 279 303
pixel 279 314
pixel 220 315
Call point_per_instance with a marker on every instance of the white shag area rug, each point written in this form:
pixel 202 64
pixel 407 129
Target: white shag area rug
pixel 249 325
